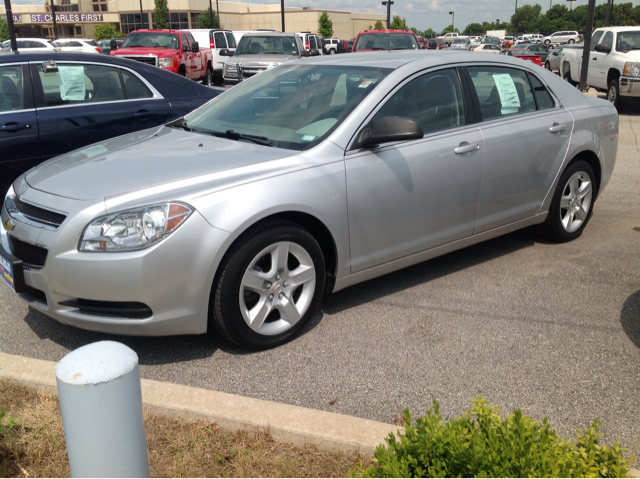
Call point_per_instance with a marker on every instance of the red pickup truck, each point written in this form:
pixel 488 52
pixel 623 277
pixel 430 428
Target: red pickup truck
pixel 173 50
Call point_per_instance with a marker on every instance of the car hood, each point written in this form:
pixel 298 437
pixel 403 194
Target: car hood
pixel 142 160
pixel 251 59
pixel 161 52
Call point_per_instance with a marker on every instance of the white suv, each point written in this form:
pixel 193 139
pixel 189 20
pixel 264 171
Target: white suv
pixel 31 45
pixel 562 37
pixel 85 45
pixel 330 45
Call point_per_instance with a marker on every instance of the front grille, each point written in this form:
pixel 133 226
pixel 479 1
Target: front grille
pixel 127 309
pixel 248 72
pixel 37 214
pixel 33 256
pixel 148 59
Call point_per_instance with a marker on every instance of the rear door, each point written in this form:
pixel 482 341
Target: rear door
pixel 85 103
pixel 19 147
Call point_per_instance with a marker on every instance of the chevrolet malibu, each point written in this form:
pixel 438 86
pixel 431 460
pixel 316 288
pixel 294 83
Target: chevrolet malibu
pixel 306 179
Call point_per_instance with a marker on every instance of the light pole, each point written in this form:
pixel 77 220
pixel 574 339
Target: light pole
pixel 388 4
pixel 281 12
pixel 515 23
pixel 12 31
pixel 453 18
pixel 141 16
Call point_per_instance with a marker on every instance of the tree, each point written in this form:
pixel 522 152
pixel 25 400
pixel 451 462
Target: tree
pixel 526 18
pixel 379 25
pixel 161 14
pixel 107 30
pixel 448 30
pixel 325 25
pixel 4 30
pixel 429 33
pixel 204 20
pixel 398 23
pixel 475 29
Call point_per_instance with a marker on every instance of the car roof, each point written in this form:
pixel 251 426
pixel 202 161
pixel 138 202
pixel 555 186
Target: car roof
pixel 617 29
pixel 13 57
pixel 278 34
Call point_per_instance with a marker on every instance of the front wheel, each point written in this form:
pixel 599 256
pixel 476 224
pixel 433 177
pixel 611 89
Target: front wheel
pixel 547 42
pixel 613 94
pixel 270 284
pixel 572 204
pixel 571 41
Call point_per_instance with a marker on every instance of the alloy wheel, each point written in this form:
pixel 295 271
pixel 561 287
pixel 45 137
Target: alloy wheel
pixel 575 202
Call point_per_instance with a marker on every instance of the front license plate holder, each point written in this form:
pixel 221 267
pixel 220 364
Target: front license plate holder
pixel 12 271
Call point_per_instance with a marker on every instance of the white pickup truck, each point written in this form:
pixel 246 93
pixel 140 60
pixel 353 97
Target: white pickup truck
pixel 614 64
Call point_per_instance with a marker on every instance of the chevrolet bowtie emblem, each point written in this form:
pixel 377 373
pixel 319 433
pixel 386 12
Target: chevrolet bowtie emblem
pixel 9 225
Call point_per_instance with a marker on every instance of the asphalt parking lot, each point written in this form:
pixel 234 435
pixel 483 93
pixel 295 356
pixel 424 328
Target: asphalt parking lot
pixel 553 329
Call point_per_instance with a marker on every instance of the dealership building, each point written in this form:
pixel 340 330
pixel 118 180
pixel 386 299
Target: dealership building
pixel 79 18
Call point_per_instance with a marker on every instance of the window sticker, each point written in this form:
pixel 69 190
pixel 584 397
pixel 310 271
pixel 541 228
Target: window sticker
pixel 72 84
pixel 366 83
pixel 508 93
pixel 308 137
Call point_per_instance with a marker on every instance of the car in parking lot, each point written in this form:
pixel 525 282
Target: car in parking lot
pixel 105 45
pixel 487 48
pixel 81 98
pixel 372 40
pixel 85 45
pixel 561 37
pixel 523 54
pixel 29 45
pixel 536 48
pixel 311 177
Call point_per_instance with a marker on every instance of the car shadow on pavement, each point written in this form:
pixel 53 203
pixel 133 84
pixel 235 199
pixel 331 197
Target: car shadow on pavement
pixel 630 318
pixel 430 270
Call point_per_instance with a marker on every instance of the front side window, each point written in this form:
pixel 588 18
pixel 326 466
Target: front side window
pixel 11 98
pixel 434 100
pixel 502 91
pixel 77 84
pixel 294 106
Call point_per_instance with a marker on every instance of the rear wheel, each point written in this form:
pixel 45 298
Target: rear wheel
pixel 572 41
pixel 270 284
pixel 572 203
pixel 547 65
pixel 547 42
pixel 567 76
pixel 207 79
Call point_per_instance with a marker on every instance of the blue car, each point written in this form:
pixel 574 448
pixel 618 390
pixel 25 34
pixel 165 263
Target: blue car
pixel 52 103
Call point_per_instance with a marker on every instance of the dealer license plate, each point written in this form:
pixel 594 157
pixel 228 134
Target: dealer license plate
pixel 11 270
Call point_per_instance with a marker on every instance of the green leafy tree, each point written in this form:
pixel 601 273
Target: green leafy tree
pixel 4 30
pixel 204 20
pixel 526 18
pixel 448 30
pixel 475 29
pixel 379 25
pixel 107 30
pixel 325 25
pixel 398 23
pixel 161 13
pixel 429 33
pixel 416 31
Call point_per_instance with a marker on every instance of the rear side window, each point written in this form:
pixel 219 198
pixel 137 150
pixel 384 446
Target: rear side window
pixel 75 84
pixel 11 88
pixel 218 38
pixel 502 91
pixel 544 100
pixel 134 87
pixel 230 40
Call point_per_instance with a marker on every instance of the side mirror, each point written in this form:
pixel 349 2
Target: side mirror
pixel 113 44
pixel 602 48
pixel 389 129
pixel 305 53
pixel 225 52
pixel 195 48
pixel 315 52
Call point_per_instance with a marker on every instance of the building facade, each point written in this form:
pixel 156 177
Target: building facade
pixel 79 18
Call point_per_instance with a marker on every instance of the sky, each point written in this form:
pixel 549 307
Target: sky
pixel 421 14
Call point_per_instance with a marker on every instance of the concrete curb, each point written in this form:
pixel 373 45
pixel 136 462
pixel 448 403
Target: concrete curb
pixel 298 425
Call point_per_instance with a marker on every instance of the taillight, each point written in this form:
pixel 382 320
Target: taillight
pixel 98 49
pixel 306 45
pixel 212 43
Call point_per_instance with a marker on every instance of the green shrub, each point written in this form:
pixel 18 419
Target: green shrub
pixel 6 425
pixel 483 444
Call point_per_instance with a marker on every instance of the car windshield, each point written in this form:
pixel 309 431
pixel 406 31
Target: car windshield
pixel 294 106
pixel 493 40
pixel 628 41
pixel 267 45
pixel 387 41
pixel 152 40
pixel 460 41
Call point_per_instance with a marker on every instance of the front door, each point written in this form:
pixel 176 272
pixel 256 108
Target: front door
pixel 407 197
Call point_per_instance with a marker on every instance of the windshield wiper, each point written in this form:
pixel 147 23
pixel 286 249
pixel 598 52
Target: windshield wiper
pixel 232 135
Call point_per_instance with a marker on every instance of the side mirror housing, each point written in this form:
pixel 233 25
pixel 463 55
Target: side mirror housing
pixel 113 44
pixel 389 129
pixel 602 48
pixel 225 52
pixel 195 48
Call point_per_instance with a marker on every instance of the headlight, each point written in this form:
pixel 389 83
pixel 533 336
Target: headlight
pixel 631 69
pixel 230 68
pixel 133 229
pixel 166 62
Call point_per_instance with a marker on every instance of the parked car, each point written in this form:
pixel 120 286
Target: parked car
pixel 330 45
pixel 172 50
pixel 28 45
pixel 349 46
pixel 561 37
pixel 311 41
pixel 435 44
pixel 105 45
pixel 461 43
pixel 487 48
pixel 371 40
pixel 85 45
pixel 217 40
pixel 552 63
pixel 524 54
pixel 536 37
pixel 536 48
pixel 79 99
pixel 260 51
pixel 236 217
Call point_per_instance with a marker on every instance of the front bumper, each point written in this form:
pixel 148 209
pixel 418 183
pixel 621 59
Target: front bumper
pixel 173 278
pixel 629 86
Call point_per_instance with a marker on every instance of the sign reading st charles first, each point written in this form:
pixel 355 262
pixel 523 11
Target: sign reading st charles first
pixel 60 17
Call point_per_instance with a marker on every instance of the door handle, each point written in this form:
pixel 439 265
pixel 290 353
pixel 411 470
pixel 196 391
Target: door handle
pixel 595 59
pixel 13 126
pixel 141 114
pixel 466 148
pixel 557 128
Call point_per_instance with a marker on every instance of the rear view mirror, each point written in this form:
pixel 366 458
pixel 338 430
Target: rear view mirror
pixel 195 48
pixel 389 129
pixel 113 44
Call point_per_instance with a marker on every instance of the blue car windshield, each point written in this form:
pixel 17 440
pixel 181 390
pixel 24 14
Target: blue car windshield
pixel 294 106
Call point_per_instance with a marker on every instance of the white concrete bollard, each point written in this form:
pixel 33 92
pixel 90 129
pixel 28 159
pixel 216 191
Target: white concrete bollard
pixel 101 403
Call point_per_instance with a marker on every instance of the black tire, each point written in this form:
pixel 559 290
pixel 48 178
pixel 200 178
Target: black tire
pixel 567 77
pixel 547 42
pixel 553 228
pixel 217 78
pixel 207 78
pixel 182 71
pixel 547 65
pixel 613 95
pixel 226 304
pixel 332 51
pixel 571 41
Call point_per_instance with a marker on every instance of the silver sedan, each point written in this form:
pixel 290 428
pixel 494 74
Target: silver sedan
pixel 306 179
